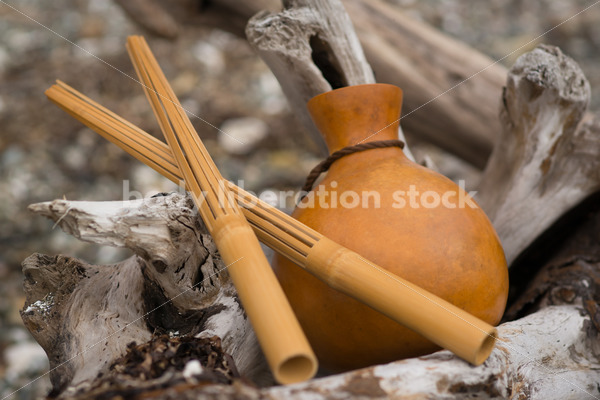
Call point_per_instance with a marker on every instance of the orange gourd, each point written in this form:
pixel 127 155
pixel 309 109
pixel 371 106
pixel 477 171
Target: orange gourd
pixel 452 252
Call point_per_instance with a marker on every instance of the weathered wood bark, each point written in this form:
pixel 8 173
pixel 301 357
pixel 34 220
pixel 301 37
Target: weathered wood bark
pixel 542 165
pixel 73 306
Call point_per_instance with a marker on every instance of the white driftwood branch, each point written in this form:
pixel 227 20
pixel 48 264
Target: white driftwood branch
pixel 312 48
pixel 542 165
pixel 551 354
pixel 176 283
pixel 548 355
pixel 289 40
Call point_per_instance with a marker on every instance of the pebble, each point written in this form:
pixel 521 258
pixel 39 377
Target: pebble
pixel 184 83
pixel 240 135
pixel 4 63
pixel 26 357
pixel 12 156
pixel 192 368
pixel 210 56
pixel 146 182
pixel 74 157
pixel 272 99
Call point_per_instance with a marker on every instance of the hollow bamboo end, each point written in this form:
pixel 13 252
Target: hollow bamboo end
pixel 486 347
pixel 296 369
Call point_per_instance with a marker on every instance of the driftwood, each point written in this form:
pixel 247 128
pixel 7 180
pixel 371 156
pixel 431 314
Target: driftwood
pixel 429 65
pixel 542 166
pixel 175 285
pixel 526 362
pixel 412 55
pixel 312 48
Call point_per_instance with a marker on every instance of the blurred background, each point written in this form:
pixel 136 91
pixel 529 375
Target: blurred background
pixel 45 154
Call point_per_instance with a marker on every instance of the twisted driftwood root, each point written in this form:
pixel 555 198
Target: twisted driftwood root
pixel 84 316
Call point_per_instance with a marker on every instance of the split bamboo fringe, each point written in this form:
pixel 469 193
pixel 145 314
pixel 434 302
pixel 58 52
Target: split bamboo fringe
pixel 278 331
pixel 434 318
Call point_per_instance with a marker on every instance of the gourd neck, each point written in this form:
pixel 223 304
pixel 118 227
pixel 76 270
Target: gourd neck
pixel 357 114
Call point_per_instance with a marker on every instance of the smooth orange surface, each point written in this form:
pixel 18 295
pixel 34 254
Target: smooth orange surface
pixel 451 252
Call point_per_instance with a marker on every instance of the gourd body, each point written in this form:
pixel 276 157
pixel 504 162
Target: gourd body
pixel 448 249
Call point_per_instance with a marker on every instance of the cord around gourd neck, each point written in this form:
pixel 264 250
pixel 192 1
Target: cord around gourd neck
pixel 333 157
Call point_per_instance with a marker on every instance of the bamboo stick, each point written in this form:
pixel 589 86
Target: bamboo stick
pixel 436 319
pixel 284 344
